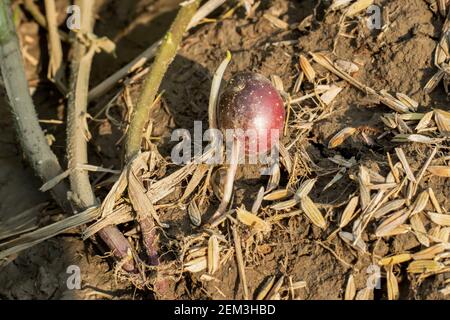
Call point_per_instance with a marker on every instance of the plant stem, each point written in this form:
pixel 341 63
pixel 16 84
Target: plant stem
pixel 76 132
pixel 229 180
pixel 29 132
pixel 166 53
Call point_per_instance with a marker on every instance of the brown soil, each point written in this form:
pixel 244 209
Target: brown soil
pixel 401 61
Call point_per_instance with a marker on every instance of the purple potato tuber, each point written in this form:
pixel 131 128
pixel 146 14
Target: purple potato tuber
pixel 251 103
pixel 252 107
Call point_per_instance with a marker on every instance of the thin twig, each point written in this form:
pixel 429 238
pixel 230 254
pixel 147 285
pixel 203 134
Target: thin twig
pixel 33 9
pixel 55 67
pixel 240 262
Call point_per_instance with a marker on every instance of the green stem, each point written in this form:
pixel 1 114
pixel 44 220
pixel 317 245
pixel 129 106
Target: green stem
pixel 166 54
pixel 29 132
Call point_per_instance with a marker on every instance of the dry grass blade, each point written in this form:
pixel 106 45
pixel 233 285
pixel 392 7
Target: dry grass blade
pixel 358 6
pixel 252 220
pixel 350 290
pixel 328 96
pixel 422 266
pixel 350 239
pixel 194 214
pixel 408 101
pixel 337 4
pixel 397 259
pixel 329 65
pixel 213 254
pixel 349 212
pixel 275 291
pixel 442 6
pixel 276 21
pixel 312 212
pixel 364 191
pixel 389 207
pixel 440 171
pixel 442 119
pixel 305 188
pixel 347 66
pixel 425 121
pixel 392 284
pixel 434 81
pixel 277 195
pixel 341 136
pixel 391 223
pixel 265 288
pixel 240 262
pixel 434 201
pixel 196 178
pixel 401 156
pixel 258 201
pixel 307 69
pixel 196 265
pixel 419 229
pixel 214 92
pixel 32 238
pixel 275 176
pixel 430 253
pixel 440 219
pixel 364 294
pixel 420 203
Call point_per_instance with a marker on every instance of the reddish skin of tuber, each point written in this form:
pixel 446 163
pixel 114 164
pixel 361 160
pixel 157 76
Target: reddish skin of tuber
pixel 251 102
